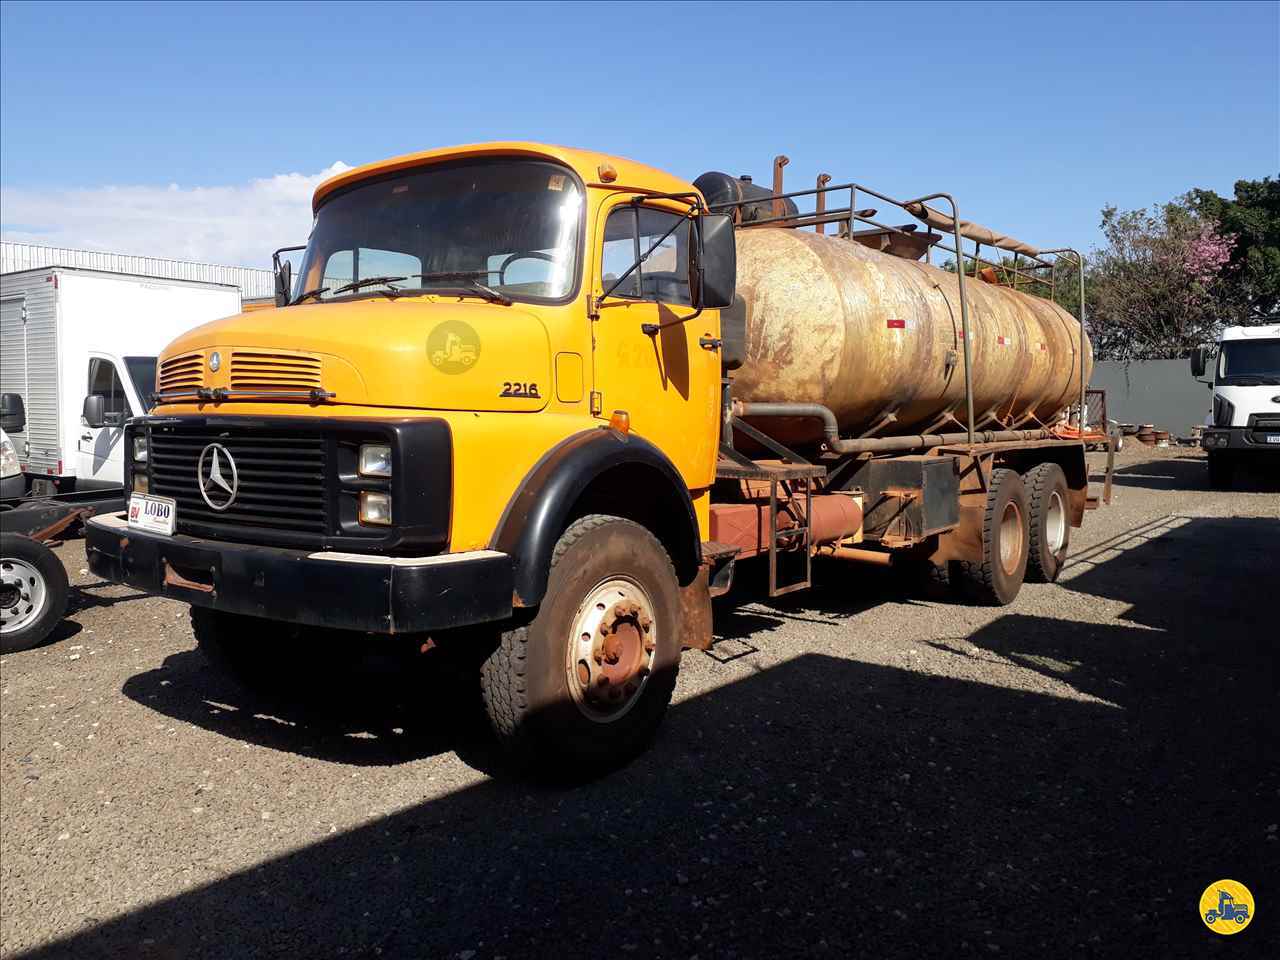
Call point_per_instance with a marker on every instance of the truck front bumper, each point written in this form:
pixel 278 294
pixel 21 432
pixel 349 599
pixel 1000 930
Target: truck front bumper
pixel 1257 437
pixel 369 593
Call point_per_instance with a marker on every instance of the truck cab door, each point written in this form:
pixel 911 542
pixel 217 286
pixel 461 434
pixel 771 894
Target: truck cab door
pixel 668 382
pixel 100 451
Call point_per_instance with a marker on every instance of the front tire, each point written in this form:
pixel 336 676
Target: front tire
pixel 584 685
pixel 33 592
pixel 1049 525
pixel 996 577
pixel 1222 471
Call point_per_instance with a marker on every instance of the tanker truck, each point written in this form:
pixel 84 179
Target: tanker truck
pixel 530 408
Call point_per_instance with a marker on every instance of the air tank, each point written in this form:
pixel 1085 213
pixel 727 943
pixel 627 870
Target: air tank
pixel 877 339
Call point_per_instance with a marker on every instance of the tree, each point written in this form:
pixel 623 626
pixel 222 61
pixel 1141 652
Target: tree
pixel 1156 289
pixel 1252 273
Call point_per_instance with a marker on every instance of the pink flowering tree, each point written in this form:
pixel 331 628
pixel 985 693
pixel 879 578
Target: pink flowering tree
pixel 1154 290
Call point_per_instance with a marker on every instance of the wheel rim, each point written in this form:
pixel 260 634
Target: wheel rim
pixel 1055 523
pixel 23 594
pixel 611 649
pixel 1010 538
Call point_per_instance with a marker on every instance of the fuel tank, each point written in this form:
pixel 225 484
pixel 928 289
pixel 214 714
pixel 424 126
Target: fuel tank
pixel 877 339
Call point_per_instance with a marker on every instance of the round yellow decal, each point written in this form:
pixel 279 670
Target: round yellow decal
pixel 453 347
pixel 1226 907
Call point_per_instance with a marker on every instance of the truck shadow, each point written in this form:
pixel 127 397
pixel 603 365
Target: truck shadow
pixel 368 711
pixel 396 707
pixel 840 590
pixel 834 807
pixel 1192 473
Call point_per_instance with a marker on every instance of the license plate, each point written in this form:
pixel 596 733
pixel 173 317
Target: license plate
pixel 1273 438
pixel 152 514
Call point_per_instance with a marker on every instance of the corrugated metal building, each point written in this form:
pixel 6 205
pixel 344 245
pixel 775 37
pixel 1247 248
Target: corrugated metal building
pixel 254 284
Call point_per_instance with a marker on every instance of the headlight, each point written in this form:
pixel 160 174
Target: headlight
pixel 375 460
pixel 140 449
pixel 375 508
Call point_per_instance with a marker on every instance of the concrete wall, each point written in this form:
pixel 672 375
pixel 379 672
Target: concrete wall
pixel 1161 392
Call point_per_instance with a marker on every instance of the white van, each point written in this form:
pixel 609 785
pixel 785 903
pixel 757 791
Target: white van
pixel 67 334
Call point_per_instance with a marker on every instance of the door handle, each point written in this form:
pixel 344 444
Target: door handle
pixel 86 436
pixel 708 342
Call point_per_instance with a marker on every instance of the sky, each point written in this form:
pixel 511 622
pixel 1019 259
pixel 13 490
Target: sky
pixel 199 130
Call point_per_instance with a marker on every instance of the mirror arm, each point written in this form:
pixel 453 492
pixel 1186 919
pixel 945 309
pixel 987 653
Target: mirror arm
pixel 652 329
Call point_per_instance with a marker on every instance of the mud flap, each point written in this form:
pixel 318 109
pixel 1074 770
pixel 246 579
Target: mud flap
pixel 695 611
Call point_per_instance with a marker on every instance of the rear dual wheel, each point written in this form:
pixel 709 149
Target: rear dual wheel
pixel 1049 524
pixel 584 685
pixel 996 576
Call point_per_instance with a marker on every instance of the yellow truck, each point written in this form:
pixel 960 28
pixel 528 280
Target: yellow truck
pixel 547 399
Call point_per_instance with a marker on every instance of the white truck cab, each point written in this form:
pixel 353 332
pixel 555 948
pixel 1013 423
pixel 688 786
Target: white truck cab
pixel 1244 418
pixel 78 358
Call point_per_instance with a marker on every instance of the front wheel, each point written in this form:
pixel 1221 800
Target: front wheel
pixel 33 592
pixel 584 685
pixel 1222 471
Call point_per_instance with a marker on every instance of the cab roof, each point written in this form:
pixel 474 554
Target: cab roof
pixel 1250 333
pixel 586 163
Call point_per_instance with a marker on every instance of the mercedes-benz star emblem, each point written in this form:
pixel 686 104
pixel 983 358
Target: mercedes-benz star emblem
pixel 212 475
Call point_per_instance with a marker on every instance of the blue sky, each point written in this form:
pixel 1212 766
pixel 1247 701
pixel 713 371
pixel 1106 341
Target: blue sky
pixel 171 129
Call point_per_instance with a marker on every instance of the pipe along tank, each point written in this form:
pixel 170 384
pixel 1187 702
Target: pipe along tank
pixel 877 339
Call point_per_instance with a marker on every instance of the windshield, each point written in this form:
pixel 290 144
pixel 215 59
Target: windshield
pixel 142 371
pixel 1249 361
pixel 511 225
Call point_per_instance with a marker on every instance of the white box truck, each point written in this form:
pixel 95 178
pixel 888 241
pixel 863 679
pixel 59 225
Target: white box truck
pixel 1244 422
pixel 67 334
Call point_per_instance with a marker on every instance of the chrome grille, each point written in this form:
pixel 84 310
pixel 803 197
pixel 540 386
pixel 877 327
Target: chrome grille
pixel 281 497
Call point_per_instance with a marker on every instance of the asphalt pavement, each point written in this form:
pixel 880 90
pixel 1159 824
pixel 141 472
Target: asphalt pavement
pixel 855 770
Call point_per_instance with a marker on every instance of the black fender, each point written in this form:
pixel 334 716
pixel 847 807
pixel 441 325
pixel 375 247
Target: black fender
pixel 543 505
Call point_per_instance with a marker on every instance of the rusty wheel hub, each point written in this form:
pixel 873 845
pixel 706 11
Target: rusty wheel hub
pixel 611 649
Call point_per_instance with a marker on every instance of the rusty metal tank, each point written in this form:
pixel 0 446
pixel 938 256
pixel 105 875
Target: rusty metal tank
pixel 877 339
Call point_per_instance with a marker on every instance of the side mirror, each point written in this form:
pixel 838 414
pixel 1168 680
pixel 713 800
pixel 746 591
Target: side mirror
pixel 719 264
pixel 94 411
pixel 284 283
pixel 1198 361
pixel 13 415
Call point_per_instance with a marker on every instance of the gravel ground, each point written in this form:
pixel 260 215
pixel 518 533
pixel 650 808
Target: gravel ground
pixel 849 769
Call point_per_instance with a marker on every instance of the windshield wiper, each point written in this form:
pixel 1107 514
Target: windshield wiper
pixel 471 277
pixel 310 293
pixel 366 282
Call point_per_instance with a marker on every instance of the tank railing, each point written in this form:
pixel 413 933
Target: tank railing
pixel 851 214
pixel 1072 254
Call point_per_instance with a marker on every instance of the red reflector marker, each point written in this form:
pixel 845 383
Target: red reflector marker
pixel 896 324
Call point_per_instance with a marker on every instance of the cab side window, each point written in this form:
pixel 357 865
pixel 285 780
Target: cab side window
pixel 629 232
pixel 104 379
